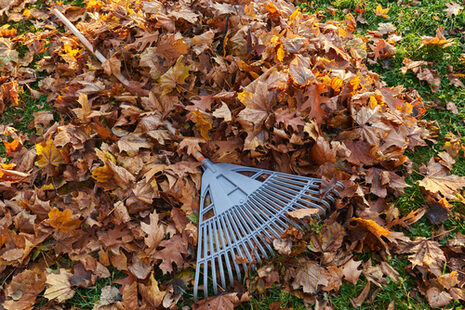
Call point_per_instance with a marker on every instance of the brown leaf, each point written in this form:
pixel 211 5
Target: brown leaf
pixel 151 295
pixel 351 271
pixel 426 253
pixel 221 302
pixel 58 286
pixel 172 253
pixel 437 298
pixel 283 246
pixel 302 213
pixel 309 276
pixel 439 180
pixel 357 302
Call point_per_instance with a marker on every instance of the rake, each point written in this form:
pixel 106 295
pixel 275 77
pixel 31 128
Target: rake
pixel 242 209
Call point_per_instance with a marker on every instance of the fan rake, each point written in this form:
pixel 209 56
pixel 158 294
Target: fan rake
pixel 242 209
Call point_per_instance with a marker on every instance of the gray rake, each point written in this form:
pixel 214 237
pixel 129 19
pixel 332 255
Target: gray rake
pixel 242 209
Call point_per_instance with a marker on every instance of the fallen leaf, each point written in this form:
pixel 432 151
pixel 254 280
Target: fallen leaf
pixel 439 180
pixel 63 221
pixel 437 298
pixel 453 9
pixel 49 155
pixel 427 254
pixel 58 286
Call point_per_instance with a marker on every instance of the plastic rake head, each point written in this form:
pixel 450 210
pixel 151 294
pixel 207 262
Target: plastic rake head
pixel 242 209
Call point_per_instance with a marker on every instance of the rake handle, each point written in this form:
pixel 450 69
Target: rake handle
pixel 198 156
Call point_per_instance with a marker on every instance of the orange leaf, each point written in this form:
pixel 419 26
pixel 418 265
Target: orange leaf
pixel 203 125
pixel 373 227
pixel 62 220
pixel 11 146
pixel 10 92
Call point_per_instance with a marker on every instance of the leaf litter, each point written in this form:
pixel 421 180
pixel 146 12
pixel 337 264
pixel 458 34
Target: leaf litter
pixel 257 83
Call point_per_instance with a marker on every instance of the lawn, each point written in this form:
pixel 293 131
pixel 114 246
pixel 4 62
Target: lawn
pixel 68 178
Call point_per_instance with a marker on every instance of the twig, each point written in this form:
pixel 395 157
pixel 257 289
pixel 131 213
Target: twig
pixel 88 45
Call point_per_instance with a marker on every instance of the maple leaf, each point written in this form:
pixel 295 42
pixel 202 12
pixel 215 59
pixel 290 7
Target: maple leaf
pixel 49 154
pixel 299 71
pixel 453 9
pixel 439 180
pixel 172 253
pixel 176 75
pixel 439 40
pixel 310 276
pixel 221 302
pixel 171 47
pixel 62 220
pixel 58 286
pixel 154 230
pixel 223 112
pixel 371 126
pixel 191 144
pixel 257 105
pixel 426 253
pixel 381 12
pixel 351 271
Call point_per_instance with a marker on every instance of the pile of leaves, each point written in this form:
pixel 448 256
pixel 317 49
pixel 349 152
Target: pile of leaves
pixel 101 184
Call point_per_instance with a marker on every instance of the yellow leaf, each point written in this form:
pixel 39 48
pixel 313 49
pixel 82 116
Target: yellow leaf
pixel 176 75
pixel 280 53
pixel 203 125
pixel 381 12
pixel 95 5
pixel 355 83
pixel 10 92
pixel 63 221
pixel 294 14
pixel 102 174
pixel 336 84
pixel 48 154
pixel 27 13
pixel 373 102
pixel 68 49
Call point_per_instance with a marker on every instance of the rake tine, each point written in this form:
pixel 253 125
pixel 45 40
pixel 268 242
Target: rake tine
pixel 289 196
pixel 231 251
pixel 305 196
pixel 219 231
pixel 280 230
pixel 239 242
pixel 258 218
pixel 205 264
pixel 272 226
pixel 218 250
pixel 212 258
pixel 296 188
pixel 246 236
pixel 252 231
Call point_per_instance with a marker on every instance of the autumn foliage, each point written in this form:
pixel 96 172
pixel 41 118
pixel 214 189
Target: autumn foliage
pixel 107 187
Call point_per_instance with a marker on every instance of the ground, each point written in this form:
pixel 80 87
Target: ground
pixel 444 105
